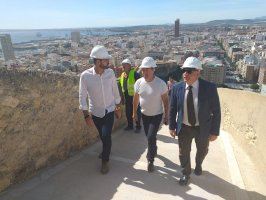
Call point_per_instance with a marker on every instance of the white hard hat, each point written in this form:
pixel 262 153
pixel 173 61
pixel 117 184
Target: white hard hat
pixel 148 62
pixel 126 61
pixel 100 52
pixel 192 62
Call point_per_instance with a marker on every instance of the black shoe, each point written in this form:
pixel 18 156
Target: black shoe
pixel 105 167
pixel 100 155
pixel 198 170
pixel 128 128
pixel 150 167
pixel 183 180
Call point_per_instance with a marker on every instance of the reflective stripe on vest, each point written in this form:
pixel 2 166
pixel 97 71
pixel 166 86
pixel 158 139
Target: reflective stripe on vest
pixel 130 82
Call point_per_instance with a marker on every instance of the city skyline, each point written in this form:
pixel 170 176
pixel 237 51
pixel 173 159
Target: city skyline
pixel 49 14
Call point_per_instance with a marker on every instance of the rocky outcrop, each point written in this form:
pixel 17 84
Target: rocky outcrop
pixel 40 122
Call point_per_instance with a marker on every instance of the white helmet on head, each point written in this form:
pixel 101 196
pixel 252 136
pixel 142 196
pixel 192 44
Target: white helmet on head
pixel 192 62
pixel 148 62
pixel 100 52
pixel 126 61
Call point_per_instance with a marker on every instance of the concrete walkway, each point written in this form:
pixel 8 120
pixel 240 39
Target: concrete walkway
pixel 79 178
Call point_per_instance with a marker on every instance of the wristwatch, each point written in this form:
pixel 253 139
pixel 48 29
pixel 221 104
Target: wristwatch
pixel 85 117
pixel 117 108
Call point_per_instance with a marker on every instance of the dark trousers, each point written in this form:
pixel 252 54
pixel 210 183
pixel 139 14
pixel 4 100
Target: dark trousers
pixel 184 140
pixel 151 126
pixel 129 111
pixel 104 126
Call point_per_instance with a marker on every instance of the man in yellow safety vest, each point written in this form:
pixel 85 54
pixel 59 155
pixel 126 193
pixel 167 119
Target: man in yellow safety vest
pixel 127 81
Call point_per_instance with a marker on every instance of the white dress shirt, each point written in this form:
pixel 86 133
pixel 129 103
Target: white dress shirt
pixel 195 92
pixel 101 90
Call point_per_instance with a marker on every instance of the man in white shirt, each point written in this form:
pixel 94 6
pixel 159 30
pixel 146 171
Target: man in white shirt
pixel 98 84
pixel 152 94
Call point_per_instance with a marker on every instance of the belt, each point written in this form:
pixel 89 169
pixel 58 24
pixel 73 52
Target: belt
pixel 187 126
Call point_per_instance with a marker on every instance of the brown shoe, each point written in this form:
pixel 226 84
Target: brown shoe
pixel 105 167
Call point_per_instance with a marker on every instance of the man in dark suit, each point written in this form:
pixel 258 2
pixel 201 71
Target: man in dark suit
pixel 194 113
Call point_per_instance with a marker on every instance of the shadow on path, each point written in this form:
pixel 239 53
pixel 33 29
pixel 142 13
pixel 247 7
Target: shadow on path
pixel 128 177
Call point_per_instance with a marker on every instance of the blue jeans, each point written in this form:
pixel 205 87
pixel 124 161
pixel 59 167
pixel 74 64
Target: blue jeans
pixel 104 126
pixel 151 126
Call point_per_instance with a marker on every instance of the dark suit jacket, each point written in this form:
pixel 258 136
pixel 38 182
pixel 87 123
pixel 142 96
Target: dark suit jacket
pixel 208 104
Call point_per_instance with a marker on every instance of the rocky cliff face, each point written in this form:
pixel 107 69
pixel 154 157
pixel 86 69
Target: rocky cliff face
pixel 40 122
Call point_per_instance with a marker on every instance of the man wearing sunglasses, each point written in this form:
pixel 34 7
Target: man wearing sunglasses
pixel 194 113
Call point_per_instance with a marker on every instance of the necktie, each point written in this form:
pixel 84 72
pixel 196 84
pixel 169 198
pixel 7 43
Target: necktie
pixel 190 107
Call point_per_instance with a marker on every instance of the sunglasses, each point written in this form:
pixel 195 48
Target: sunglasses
pixel 189 71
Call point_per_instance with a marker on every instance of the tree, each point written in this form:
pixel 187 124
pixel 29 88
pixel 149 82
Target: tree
pixel 176 75
pixel 255 87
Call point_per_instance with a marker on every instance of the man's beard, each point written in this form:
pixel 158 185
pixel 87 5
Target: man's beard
pixel 104 67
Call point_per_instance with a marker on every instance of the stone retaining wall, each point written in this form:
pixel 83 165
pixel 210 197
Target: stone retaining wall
pixel 244 117
pixel 40 123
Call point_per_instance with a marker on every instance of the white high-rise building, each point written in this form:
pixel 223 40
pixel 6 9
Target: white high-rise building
pixel 6 47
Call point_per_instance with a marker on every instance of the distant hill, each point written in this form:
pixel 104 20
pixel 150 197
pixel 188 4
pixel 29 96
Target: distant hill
pixel 258 20
pixel 129 29
pixel 263 17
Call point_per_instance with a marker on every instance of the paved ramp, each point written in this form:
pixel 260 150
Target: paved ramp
pixel 79 177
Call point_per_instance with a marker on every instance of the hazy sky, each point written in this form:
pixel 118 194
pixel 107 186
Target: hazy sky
pixel 32 14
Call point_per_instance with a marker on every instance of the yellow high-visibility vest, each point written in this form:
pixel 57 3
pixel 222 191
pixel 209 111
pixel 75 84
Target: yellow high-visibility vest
pixel 130 82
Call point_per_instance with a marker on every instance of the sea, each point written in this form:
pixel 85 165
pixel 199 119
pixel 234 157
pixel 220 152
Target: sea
pixel 23 36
